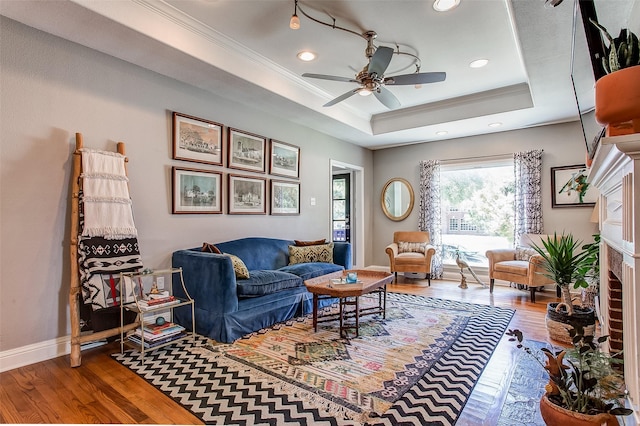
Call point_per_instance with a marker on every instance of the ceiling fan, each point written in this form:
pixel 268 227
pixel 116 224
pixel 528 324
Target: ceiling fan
pixel 372 79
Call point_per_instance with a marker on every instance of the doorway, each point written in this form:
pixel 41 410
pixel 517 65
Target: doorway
pixel 347 208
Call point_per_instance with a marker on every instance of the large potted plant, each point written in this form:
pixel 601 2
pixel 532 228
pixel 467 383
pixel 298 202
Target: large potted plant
pixel 593 275
pixel 617 94
pixel 567 265
pixel 584 386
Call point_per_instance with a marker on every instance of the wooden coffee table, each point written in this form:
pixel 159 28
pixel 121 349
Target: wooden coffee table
pixel 325 287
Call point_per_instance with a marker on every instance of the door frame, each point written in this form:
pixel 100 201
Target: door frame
pixel 357 207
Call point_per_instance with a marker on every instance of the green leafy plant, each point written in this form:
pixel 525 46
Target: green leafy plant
pixel 622 52
pixel 593 258
pixel 565 264
pixel 583 378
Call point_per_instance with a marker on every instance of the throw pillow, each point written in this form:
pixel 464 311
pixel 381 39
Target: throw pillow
pixel 407 247
pixel 524 253
pixel 317 253
pixel 210 248
pixel 309 243
pixel 239 267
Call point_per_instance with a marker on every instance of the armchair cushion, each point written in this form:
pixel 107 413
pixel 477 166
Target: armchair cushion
pixel 517 267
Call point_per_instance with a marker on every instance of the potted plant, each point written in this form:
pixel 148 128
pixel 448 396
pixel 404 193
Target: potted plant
pixel 584 386
pixel 618 92
pixel 593 275
pixel 565 264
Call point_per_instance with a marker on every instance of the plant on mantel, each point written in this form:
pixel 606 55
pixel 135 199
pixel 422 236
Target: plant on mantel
pixel 622 52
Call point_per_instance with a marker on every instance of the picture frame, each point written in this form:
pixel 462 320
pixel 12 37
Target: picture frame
pixel 284 159
pixel 285 198
pixel 196 139
pixel 247 195
pixel 196 191
pixel 568 187
pixel 246 151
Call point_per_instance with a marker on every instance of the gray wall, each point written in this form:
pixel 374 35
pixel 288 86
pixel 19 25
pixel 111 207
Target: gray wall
pixel 563 145
pixel 52 88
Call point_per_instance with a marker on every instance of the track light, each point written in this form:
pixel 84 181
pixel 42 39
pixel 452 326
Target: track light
pixel 294 22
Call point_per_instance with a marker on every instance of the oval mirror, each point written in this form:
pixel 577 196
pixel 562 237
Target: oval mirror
pixel 397 199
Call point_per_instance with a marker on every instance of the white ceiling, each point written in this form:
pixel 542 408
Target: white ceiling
pixel 244 50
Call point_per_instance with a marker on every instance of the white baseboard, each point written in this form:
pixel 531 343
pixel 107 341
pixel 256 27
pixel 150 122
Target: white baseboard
pixel 35 352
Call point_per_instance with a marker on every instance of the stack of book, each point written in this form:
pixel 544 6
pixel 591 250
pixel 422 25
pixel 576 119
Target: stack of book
pixel 157 302
pixel 155 335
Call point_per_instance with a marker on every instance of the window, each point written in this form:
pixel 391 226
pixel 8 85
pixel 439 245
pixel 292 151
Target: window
pixel 477 209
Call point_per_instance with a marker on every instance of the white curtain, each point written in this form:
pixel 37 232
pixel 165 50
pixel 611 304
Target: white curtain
pixel 429 219
pixel 528 199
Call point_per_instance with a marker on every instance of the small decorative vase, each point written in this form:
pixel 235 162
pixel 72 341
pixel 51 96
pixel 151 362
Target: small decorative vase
pixel 554 415
pixel 618 101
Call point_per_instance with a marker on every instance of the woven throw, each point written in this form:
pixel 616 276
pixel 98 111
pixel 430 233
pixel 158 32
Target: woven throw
pixel 418 366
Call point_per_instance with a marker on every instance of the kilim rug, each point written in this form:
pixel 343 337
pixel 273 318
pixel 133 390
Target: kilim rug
pixel 417 366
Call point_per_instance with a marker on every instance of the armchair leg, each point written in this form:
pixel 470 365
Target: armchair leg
pixel 395 279
pixel 429 279
pixel 533 294
pixel 491 283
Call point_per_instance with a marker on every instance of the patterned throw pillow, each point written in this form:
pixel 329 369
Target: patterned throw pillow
pixel 239 267
pixel 524 253
pixel 406 247
pixel 318 253
pixel 210 248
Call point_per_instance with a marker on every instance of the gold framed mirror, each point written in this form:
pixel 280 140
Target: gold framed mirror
pixel 397 199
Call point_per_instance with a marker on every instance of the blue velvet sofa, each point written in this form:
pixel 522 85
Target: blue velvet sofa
pixel 227 308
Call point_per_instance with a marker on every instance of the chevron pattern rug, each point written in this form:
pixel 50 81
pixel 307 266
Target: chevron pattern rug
pixel 417 366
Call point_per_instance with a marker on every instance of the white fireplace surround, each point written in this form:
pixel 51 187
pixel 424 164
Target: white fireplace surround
pixel 616 173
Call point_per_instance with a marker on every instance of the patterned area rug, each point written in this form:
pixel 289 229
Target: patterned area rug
pixel 417 366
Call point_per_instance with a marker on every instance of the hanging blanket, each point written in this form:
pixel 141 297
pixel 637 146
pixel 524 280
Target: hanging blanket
pixel 108 241
pixel 107 205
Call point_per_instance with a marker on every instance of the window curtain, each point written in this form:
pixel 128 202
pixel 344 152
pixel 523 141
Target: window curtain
pixel 528 197
pixel 429 219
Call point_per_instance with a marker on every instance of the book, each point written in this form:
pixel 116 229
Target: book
pixel 143 305
pixel 163 334
pixel 152 344
pixel 156 329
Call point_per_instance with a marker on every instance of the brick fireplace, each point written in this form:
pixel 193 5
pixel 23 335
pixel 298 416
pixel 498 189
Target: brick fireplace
pixel 616 173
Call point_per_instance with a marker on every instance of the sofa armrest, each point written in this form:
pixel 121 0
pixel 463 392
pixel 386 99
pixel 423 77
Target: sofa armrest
pixel 209 279
pixel 342 254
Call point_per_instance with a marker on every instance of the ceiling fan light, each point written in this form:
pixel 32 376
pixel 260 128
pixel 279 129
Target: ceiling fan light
pixel 445 5
pixel 364 92
pixel 294 23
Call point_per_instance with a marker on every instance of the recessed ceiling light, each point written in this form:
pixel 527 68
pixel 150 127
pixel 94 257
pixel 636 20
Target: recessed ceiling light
pixel 479 63
pixel 445 5
pixel 442 133
pixel 496 124
pixel 306 56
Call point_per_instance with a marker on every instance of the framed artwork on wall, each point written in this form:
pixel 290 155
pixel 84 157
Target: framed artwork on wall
pixel 247 195
pixel 196 139
pixel 246 151
pixel 196 191
pixel 285 159
pixel 285 197
pixel 569 187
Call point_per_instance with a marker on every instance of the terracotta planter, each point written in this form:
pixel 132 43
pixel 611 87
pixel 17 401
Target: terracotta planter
pixel 618 101
pixel 554 415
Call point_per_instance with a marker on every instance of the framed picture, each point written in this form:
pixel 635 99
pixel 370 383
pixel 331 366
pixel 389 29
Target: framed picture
pixel 285 159
pixel 247 195
pixel 196 191
pixel 569 187
pixel 246 151
pixel 196 139
pixel 285 197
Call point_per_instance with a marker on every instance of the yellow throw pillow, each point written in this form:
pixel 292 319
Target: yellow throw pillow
pixel 317 253
pixel 239 267
pixel 406 247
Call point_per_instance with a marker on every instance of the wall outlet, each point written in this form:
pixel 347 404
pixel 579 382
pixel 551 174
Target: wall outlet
pixel 313 201
pixel 160 283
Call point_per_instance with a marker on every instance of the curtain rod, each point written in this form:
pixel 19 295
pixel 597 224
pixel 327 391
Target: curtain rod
pixel 482 157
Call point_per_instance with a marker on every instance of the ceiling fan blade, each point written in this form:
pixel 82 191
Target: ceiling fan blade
pixel 330 77
pixel 380 60
pixel 387 98
pixel 342 97
pixel 416 78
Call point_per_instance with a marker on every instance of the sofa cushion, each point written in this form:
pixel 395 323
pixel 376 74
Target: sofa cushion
pixel 307 254
pixel 311 270
pixel 238 266
pixel 518 267
pixel 266 282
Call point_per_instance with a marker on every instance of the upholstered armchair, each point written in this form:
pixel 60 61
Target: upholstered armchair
pixel 410 252
pixel 521 265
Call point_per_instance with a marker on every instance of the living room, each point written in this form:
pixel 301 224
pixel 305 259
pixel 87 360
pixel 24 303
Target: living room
pixel 53 88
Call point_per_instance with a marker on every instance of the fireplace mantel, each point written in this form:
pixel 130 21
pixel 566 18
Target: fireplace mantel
pixel 615 171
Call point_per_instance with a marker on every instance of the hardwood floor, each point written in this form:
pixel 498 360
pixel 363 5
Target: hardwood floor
pixel 103 391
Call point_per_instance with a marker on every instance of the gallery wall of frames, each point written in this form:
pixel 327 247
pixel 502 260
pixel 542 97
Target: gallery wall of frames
pixel 241 171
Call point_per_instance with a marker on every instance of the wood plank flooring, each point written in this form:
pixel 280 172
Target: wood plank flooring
pixel 103 391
